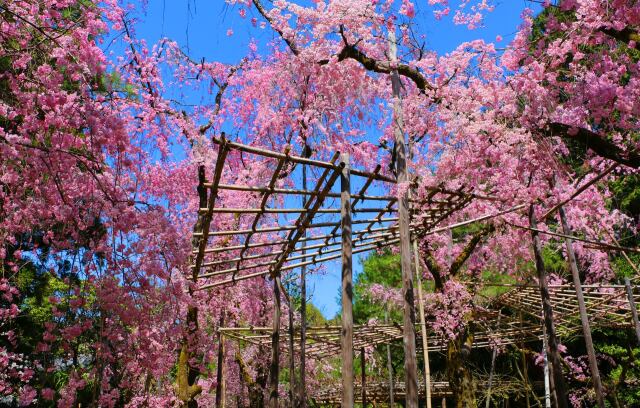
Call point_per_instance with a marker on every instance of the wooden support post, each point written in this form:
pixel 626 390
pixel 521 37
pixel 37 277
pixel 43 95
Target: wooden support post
pixel 409 330
pixel 423 327
pixel 389 364
pixel 547 377
pixel 220 383
pixel 347 287
pixel 586 329
pixel 632 305
pixel 525 372
pixel 493 367
pixel 553 354
pixel 364 378
pixel 302 399
pixel 292 356
pixel 274 371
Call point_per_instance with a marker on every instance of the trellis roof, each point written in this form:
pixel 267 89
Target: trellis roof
pixel 271 244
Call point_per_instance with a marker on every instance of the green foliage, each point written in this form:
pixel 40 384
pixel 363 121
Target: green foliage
pixel 383 269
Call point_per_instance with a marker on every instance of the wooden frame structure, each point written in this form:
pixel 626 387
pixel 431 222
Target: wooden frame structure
pixel 378 392
pixel 261 243
pixel 258 241
pixel 608 305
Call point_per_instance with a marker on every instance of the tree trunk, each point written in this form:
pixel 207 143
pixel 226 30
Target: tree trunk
pixel 460 378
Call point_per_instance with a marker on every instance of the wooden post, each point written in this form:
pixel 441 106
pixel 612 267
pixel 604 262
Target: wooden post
pixel 220 383
pixel 292 366
pixel 347 286
pixel 553 354
pixel 409 330
pixel 525 373
pixel 302 398
pixel 547 377
pixel 423 327
pixel 632 305
pixel 274 371
pixel 493 367
pixel 586 329
pixel 389 364
pixel 364 378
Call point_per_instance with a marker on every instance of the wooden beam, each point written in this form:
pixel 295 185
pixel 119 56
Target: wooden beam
pixel 347 287
pixel 409 331
pixel 363 368
pixel 389 365
pixel 554 355
pixel 423 326
pixel 220 383
pixel 302 395
pixel 217 174
pixel 297 265
pixel 584 318
pixel 274 370
pixel 299 160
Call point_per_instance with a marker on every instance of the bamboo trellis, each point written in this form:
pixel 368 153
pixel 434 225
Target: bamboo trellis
pixel 608 305
pixel 266 244
pixel 378 391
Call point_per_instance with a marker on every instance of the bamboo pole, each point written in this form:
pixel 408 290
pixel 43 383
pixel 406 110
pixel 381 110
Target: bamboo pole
pixel 384 239
pixel 303 301
pixel 300 160
pixel 389 365
pixel 409 331
pixel 584 318
pixel 632 306
pixel 347 288
pixel 220 383
pixel 558 379
pixel 493 367
pixel 297 265
pixel 274 371
pixel 292 356
pixel 364 378
pixel 423 328
pixel 547 377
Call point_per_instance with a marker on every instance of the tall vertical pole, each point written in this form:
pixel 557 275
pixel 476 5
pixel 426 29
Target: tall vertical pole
pixel 409 330
pixel 493 366
pixel 525 374
pixel 586 329
pixel 220 381
pixel 274 371
pixel 292 356
pixel 389 364
pixel 632 305
pixel 347 286
pixel 364 378
pixel 423 327
pixel 554 355
pixel 547 380
pixel 302 398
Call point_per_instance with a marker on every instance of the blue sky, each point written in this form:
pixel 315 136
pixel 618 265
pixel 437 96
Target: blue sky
pixel 200 28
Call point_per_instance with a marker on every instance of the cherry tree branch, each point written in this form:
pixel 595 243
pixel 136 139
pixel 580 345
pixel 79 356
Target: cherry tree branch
pixel 626 35
pixel 350 51
pixel 462 257
pixel 599 144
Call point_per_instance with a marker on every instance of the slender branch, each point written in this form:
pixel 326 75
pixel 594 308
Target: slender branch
pixel 456 265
